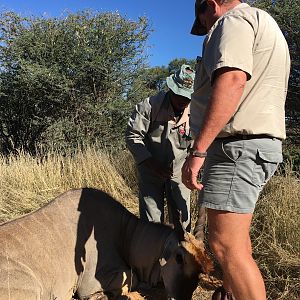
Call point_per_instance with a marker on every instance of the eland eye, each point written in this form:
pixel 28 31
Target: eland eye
pixel 179 259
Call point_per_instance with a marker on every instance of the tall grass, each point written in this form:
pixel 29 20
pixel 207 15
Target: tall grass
pixel 276 235
pixel 26 183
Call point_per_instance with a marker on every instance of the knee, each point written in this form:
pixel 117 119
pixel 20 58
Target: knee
pixel 228 251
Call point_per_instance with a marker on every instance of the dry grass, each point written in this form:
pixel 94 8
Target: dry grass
pixel 26 183
pixel 276 236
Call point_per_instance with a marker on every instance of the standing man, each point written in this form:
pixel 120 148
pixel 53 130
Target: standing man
pixel 238 122
pixel 158 136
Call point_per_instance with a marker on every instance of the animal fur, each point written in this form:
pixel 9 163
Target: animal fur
pixel 85 242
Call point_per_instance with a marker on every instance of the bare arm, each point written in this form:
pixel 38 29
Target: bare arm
pixel 227 90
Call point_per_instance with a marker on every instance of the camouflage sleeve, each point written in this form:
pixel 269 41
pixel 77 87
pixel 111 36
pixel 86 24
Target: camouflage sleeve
pixel 137 129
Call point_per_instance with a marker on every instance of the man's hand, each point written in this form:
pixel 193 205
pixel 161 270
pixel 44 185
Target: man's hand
pixel 157 168
pixel 190 171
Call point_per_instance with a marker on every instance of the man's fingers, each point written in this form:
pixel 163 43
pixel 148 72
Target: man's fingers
pixel 197 185
pixel 190 171
pixel 189 179
pixel 193 184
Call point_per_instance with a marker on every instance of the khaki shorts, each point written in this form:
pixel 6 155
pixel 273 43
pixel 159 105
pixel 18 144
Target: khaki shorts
pixel 235 172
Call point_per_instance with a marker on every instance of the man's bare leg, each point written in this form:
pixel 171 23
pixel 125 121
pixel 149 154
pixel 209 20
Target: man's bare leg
pixel 229 240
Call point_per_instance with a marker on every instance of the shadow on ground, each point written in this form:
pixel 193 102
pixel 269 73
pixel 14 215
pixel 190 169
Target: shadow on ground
pixel 203 292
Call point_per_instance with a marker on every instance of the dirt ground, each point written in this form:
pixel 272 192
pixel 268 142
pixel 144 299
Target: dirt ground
pixel 203 292
pixel 159 294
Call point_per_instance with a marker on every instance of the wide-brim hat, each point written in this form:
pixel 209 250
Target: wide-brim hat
pixel 182 81
pixel 198 28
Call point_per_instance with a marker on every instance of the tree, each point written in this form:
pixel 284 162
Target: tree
pixel 65 78
pixel 176 63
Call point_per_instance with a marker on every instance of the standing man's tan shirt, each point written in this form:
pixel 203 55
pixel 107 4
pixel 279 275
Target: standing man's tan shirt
pixel 248 39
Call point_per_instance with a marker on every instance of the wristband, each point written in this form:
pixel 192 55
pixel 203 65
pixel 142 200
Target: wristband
pixel 196 153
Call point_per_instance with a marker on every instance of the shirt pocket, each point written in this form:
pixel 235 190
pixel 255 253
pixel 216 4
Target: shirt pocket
pixel 183 138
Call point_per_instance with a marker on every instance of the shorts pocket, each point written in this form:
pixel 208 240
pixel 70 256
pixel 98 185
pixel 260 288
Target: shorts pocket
pixel 233 150
pixel 265 167
pixel 269 156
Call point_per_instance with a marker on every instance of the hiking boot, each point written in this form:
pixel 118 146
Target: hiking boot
pixel 221 294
